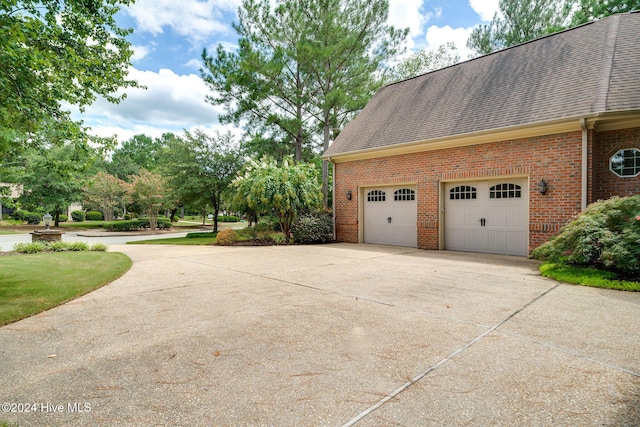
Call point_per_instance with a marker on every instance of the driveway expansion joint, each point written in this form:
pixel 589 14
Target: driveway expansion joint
pixel 442 362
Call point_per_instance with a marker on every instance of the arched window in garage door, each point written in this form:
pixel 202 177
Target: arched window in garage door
pixel 463 192
pixel 404 194
pixel 376 196
pixel 505 191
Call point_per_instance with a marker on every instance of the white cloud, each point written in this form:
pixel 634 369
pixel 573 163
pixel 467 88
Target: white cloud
pixel 191 18
pixel 437 36
pixel 485 8
pixel 171 103
pixel 140 52
pixel 196 64
pixel 406 13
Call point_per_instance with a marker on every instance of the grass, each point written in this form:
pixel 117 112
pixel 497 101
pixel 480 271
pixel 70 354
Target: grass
pixel 83 224
pixel 30 284
pixel 587 277
pixel 178 241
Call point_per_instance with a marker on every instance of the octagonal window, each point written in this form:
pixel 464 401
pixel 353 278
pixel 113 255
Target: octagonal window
pixel 625 163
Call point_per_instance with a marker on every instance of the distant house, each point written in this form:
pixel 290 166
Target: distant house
pixel 497 153
pixel 16 192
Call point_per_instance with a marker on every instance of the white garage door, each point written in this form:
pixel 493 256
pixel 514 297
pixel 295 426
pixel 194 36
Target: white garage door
pixel 487 216
pixel 391 216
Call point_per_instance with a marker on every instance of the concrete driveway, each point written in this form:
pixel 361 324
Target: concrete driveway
pixel 329 335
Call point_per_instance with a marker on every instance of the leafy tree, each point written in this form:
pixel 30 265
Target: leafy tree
pixel 302 69
pixel 54 52
pixel 425 61
pixel 589 10
pixel 348 44
pixel 262 83
pixel 147 192
pixel 284 190
pixel 517 22
pixel 53 179
pixel 106 193
pixel 200 169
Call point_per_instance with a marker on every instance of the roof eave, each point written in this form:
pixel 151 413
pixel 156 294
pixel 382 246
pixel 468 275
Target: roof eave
pixel 598 121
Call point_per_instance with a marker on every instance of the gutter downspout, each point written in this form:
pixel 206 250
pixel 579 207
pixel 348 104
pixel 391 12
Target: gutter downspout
pixel 585 158
pixel 333 198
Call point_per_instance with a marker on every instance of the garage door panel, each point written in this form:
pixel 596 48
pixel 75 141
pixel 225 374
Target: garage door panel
pixel 517 216
pixel 517 243
pixel 487 216
pixel 390 216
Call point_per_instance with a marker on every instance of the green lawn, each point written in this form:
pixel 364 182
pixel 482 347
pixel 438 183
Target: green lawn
pixel 178 241
pixel 83 224
pixel 587 277
pixel 30 284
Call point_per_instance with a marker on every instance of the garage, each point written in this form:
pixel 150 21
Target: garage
pixel 487 216
pixel 390 216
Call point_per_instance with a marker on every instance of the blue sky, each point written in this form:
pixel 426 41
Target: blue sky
pixel 169 36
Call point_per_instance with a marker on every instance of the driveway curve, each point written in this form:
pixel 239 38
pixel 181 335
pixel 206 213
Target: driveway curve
pixel 326 335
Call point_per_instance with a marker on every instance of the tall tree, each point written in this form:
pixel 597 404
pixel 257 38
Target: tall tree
pixel 589 10
pixel 54 52
pixel 517 22
pixel 303 68
pixel 424 61
pixel 147 191
pixel 200 168
pixel 262 83
pixel 54 178
pixel 106 193
pixel 348 43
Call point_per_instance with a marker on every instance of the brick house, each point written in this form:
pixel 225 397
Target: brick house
pixel 495 154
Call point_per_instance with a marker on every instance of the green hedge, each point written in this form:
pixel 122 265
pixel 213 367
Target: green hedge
pixel 78 216
pixel 94 216
pixel 136 224
pixel 227 218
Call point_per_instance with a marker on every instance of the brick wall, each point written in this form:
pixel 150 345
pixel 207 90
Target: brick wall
pixel 555 158
pixel 606 183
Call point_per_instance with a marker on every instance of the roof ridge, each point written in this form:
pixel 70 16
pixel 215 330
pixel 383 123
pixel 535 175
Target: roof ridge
pixel 495 52
pixel 608 54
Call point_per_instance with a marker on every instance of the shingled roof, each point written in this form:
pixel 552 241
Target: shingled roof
pixel 593 68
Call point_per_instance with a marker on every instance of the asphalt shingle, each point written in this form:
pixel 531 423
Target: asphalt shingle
pixel 588 69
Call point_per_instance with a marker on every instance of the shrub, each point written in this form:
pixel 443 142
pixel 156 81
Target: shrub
pixel 131 225
pixel 606 236
pixel 63 218
pixel 279 238
pixel 19 214
pixel 227 237
pixel 29 248
pixel 77 246
pixel 135 224
pixel 57 246
pixel 163 223
pixel 98 247
pixel 94 216
pixel 313 227
pixel 78 216
pixel 201 235
pixel 227 218
pixel 33 218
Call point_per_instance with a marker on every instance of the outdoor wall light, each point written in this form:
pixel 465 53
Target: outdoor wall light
pixel 542 187
pixel 47 220
pixel 349 195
